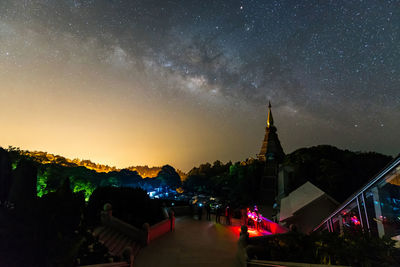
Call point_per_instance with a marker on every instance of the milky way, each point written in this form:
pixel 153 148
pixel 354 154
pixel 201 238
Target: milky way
pixel 184 82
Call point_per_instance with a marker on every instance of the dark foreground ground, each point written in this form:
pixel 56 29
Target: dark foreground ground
pixel 193 243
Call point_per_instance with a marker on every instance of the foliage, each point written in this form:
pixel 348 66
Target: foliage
pixel 131 205
pixel 92 251
pixel 47 158
pixel 353 248
pixel 207 178
pixel 237 182
pixel 46 234
pixel 327 167
pixel 337 172
pixel 86 177
pixel 169 177
pixel 53 231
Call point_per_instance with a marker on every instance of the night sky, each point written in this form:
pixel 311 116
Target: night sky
pixel 186 82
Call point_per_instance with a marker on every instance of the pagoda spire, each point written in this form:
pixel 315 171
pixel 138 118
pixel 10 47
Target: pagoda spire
pixel 270 120
pixel 271 146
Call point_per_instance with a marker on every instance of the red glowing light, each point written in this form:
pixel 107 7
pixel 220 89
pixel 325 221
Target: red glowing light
pixel 355 220
pixel 252 232
pixel 263 226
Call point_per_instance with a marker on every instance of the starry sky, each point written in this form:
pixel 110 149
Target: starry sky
pixel 186 82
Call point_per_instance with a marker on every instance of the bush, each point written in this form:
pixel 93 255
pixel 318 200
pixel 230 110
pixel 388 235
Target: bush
pixel 92 251
pixel 353 248
pixel 131 205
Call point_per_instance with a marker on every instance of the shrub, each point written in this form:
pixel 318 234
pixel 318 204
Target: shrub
pixel 354 248
pixel 131 205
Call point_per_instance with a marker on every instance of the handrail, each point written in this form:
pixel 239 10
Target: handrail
pixel 359 192
pixel 161 228
pixel 129 230
pixel 144 236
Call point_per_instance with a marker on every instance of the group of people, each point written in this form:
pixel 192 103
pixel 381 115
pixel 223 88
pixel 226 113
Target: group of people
pixel 249 217
pixel 219 210
pixel 227 212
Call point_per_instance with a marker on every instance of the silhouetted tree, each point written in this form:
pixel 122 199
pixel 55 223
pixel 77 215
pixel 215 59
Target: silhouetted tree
pixel 23 189
pixel 5 175
pixel 169 177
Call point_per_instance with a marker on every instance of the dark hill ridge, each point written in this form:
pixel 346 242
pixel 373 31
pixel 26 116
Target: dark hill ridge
pixel 53 171
pixel 337 172
pixel 48 158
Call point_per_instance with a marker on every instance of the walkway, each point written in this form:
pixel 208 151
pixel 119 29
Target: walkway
pixel 193 243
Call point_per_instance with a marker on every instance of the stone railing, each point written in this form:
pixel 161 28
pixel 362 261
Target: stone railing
pixel 143 236
pixel 128 230
pixel 121 238
pixel 161 228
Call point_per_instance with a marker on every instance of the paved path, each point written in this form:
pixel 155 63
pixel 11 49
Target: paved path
pixel 193 243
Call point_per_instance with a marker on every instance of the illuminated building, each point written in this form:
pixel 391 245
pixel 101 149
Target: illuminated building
pixel 375 207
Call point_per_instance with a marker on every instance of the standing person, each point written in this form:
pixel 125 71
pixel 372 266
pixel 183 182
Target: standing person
pixel 243 216
pixel 247 216
pixel 230 215
pixel 218 214
pixel 200 211
pixel 165 211
pixel 208 210
pixel 227 215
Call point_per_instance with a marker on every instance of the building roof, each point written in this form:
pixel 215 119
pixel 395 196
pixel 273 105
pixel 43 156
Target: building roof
pixel 298 199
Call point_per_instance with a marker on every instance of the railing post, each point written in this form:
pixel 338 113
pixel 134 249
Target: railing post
pixel 172 218
pixel 106 213
pixel 146 229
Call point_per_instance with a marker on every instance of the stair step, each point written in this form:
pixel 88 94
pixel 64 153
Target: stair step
pixel 123 243
pixel 135 248
pixel 111 240
pixel 105 231
pixel 107 235
pixel 98 230
pixel 115 242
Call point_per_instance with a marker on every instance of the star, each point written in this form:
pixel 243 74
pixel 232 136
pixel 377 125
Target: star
pixel 331 66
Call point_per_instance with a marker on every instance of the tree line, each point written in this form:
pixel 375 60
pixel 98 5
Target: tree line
pixel 337 172
pixel 51 175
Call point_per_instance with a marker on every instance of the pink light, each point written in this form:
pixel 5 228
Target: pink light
pixel 252 232
pixel 355 220
pixel 252 215
pixel 261 222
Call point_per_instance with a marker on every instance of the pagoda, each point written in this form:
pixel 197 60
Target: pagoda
pixel 272 155
pixel 271 148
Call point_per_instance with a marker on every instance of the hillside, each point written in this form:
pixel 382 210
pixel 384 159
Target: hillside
pixel 337 172
pixel 48 158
